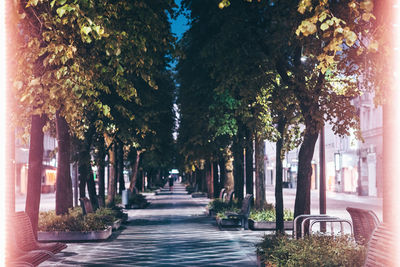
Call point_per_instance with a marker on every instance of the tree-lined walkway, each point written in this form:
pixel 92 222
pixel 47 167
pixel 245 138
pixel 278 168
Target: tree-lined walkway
pixel 173 231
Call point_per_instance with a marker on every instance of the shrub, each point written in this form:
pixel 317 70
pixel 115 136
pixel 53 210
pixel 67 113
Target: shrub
pixel 269 215
pixel 223 213
pixel 190 189
pixel 138 200
pixel 117 200
pixel 76 221
pixel 217 205
pixel 220 207
pixel 315 250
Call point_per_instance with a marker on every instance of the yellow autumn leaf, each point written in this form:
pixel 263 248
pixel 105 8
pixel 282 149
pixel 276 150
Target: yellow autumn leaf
pixel 360 51
pixel 352 5
pixel 307 27
pixel 322 16
pixel 304 5
pixel 324 26
pixel 351 38
pixel 367 16
pixel 339 30
pixel 326 34
pixel 367 5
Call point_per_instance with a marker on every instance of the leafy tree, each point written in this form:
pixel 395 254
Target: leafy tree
pixel 50 72
pixel 317 48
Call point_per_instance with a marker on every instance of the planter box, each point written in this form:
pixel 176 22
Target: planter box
pixel 75 236
pixel 228 222
pixel 268 226
pixel 117 224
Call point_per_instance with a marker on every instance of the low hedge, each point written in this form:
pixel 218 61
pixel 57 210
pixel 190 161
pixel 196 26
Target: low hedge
pixel 76 221
pixel 312 251
pixel 138 200
pixel 269 215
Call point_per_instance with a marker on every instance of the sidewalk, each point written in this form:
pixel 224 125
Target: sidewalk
pixel 173 231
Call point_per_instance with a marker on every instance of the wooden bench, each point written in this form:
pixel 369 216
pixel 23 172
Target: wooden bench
pixel 381 250
pixel 239 219
pixel 364 223
pixel 25 238
pixel 16 257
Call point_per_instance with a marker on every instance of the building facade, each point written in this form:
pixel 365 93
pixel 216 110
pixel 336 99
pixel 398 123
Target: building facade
pixel 351 165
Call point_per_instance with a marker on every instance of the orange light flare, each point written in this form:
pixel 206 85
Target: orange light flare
pixel 3 127
pixel 395 114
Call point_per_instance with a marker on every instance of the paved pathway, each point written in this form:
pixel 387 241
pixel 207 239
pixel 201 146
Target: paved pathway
pixel 173 231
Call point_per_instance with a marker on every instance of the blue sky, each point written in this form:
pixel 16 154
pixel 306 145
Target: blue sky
pixel 179 25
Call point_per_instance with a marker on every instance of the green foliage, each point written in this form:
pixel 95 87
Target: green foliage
pixel 223 214
pixel 221 207
pixel 218 205
pixel 312 251
pixel 269 215
pixel 76 221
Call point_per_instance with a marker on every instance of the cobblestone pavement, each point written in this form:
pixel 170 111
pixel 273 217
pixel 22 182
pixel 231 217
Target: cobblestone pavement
pixel 173 231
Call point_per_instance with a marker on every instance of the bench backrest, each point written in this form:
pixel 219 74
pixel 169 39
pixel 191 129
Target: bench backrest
pixel 222 193
pixel 23 231
pixel 364 223
pixel 246 205
pixel 381 248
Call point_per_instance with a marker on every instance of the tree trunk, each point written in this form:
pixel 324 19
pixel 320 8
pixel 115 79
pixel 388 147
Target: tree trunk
pixel 278 182
pixel 91 186
pixel 302 203
pixel 216 185
pixel 121 180
pixel 64 197
pixel 229 182
pixel 111 174
pixel 260 175
pixel 238 170
pixel 222 173
pixel 211 179
pixel 249 164
pixel 135 170
pixel 83 172
pixel 101 164
pixel 35 170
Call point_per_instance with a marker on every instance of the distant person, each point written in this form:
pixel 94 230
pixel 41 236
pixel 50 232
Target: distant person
pixel 171 183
